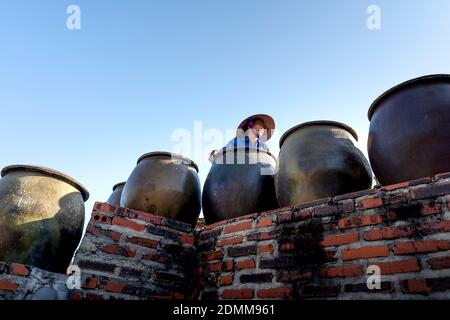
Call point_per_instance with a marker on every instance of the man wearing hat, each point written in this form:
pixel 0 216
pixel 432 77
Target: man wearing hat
pixel 254 132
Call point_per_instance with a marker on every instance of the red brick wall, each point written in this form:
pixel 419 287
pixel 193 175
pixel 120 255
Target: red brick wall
pixel 128 254
pixel 323 249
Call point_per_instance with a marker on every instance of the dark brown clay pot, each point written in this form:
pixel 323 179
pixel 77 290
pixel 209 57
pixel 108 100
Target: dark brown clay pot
pixel 318 159
pixel 409 135
pixel 240 182
pixel 164 184
pixel 114 198
pixel 41 217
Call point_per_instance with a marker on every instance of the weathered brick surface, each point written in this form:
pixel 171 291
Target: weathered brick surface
pixel 318 250
pixel 136 255
pixel 322 250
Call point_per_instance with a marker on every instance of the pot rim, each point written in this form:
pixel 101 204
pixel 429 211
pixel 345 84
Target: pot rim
pixel 50 172
pixel 319 122
pixel 225 150
pixel 118 185
pixel 185 160
pixel 431 77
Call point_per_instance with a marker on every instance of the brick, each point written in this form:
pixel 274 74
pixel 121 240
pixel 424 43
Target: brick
pixel 228 265
pixel 114 287
pixel 241 251
pixel 164 233
pixel 286 246
pixel 284 217
pixel 434 227
pixel 354 222
pixel 210 234
pixel 430 209
pixel 97 266
pixel 75 296
pixel 402 266
pixel 226 280
pixel 370 203
pixel 114 235
pixel 244 217
pixel 126 272
pixel 245 264
pixel 241 226
pixel 301 215
pixel 433 190
pixel 264 222
pixel 439 263
pixel 125 223
pixel 8 285
pixel 101 218
pixel 229 241
pixel 261 236
pixel 144 216
pixel 90 283
pixel 347 206
pixel 265 248
pixel 214 267
pixel 319 291
pixel 178 225
pixel 119 250
pixel 93 297
pixel 342 271
pixel 290 276
pixel 102 206
pixel 187 239
pixel 157 258
pixel 401 185
pixel 412 247
pixel 439 284
pixel 385 287
pixel 256 277
pixel 388 233
pixel 149 243
pixel 169 277
pixel 276 263
pixel 413 286
pixel 275 293
pixel 18 269
pixel 395 198
pixel 237 294
pixel 341 239
pixel 327 210
pixel 365 252
pixel 210 256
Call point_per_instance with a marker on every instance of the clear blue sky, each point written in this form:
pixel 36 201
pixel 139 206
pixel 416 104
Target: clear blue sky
pixel 89 102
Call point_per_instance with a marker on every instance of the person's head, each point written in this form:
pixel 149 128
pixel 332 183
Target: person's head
pixel 256 126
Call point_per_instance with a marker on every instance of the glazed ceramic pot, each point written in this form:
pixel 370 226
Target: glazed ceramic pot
pixel 409 135
pixel 114 198
pixel 41 217
pixel 164 184
pixel 319 159
pixel 240 182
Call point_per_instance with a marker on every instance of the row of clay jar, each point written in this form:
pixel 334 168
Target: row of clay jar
pixel 409 138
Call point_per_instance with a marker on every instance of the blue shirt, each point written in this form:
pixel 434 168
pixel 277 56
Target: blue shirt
pixel 246 142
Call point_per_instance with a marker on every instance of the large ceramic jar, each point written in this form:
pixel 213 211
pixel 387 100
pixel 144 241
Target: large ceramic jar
pixel 240 182
pixel 164 184
pixel 409 136
pixel 41 217
pixel 319 159
pixel 114 198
